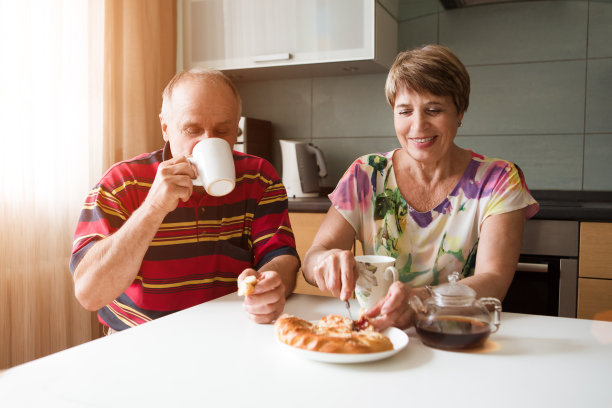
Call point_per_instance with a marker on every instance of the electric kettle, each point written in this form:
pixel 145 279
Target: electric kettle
pixel 303 167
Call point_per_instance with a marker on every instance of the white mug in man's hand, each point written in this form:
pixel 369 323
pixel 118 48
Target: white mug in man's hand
pixel 215 163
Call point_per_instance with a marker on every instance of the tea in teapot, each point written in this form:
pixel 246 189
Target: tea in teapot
pixel 452 318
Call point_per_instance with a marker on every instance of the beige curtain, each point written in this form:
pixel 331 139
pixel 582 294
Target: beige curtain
pixel 50 75
pixel 140 59
pixel 80 88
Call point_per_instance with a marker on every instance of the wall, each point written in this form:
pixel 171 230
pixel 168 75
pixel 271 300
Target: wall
pixel 541 91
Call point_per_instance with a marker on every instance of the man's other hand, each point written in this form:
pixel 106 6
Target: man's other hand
pixel 267 301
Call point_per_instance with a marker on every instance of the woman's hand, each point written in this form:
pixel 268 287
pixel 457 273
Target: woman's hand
pixel 337 273
pixel 267 301
pixel 393 310
pixel 329 263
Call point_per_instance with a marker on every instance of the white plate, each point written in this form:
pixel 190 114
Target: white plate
pixel 397 337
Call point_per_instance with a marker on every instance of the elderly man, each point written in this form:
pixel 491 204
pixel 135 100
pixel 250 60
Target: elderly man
pixel 149 242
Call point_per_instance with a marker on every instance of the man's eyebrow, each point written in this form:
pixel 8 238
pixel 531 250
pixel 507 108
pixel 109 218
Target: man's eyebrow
pixel 188 123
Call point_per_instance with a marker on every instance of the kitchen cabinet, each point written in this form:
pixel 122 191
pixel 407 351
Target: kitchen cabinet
pixel 293 37
pixel 305 227
pixel 595 271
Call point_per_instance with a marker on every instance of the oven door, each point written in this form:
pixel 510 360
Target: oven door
pixel 543 285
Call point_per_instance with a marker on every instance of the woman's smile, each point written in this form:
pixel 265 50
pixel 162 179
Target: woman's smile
pixel 423 142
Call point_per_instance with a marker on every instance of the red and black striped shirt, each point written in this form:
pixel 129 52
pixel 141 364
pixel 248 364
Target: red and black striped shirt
pixel 200 248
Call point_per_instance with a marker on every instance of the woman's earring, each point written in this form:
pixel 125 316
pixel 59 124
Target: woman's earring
pixel 460 124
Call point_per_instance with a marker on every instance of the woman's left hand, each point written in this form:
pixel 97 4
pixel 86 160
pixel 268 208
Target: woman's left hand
pixel 393 310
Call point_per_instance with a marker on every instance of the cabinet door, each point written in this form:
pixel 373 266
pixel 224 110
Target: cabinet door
pixel 595 271
pixel 305 227
pixel 596 250
pixel 595 299
pixel 230 34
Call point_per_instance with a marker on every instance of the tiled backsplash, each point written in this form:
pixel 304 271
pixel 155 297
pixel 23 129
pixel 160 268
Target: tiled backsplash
pixel 541 93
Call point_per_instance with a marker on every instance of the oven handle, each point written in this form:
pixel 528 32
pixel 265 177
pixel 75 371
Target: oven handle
pixel 532 267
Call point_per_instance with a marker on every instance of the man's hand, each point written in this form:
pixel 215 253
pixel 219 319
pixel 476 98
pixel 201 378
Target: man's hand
pixel 337 272
pixel 172 183
pixel 267 301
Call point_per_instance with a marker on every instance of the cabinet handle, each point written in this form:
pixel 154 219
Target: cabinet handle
pixel 532 267
pixel 273 57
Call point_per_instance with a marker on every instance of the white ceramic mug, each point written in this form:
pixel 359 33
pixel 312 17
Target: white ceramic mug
pixel 376 274
pixel 215 163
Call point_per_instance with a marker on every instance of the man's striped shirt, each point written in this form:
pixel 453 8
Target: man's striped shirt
pixel 200 248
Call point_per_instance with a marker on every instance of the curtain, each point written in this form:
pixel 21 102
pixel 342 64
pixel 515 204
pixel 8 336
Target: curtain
pixel 80 88
pixel 50 75
pixel 140 59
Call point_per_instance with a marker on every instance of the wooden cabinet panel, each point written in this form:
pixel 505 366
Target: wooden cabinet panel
pixel 305 227
pixel 595 299
pixel 596 250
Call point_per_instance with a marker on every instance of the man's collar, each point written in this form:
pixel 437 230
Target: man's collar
pixel 167 153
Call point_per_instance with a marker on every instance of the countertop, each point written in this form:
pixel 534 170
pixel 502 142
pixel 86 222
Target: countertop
pixel 554 205
pixel 212 355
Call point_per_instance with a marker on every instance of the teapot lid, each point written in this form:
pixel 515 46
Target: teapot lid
pixel 454 290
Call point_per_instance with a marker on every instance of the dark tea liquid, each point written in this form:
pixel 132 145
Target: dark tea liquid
pixel 453 332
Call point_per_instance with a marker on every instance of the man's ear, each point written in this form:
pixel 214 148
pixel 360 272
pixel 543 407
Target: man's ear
pixel 164 127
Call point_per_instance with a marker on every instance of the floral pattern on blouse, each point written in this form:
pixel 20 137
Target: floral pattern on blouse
pixel 428 246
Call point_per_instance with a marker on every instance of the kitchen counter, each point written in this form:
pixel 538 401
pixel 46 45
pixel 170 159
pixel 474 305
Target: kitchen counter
pixel 212 355
pixel 554 205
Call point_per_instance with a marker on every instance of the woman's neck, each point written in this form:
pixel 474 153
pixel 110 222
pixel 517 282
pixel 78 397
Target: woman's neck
pixel 425 184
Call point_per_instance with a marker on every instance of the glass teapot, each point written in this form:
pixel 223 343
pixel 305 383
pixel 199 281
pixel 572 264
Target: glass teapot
pixel 452 318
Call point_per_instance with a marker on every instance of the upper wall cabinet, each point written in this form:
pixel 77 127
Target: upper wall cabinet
pixel 269 39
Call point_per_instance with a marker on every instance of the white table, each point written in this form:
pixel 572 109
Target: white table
pixel 212 355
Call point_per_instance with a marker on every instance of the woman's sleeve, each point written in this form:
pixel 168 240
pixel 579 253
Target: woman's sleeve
pixel 352 197
pixel 511 193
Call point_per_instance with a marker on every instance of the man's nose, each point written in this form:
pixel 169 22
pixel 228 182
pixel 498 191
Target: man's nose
pixel 207 134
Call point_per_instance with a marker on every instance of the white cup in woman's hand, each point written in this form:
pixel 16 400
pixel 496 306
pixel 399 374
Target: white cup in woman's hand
pixel 215 163
pixel 376 274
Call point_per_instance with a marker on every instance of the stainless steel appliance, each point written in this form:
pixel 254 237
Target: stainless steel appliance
pixel 546 277
pixel 255 137
pixel 303 167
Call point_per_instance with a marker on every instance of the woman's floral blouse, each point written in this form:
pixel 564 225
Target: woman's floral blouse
pixel 430 245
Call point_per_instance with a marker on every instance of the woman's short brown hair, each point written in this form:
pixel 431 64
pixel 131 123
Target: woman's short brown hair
pixel 433 69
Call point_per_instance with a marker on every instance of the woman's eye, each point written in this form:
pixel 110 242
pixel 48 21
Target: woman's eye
pixel 404 112
pixel 433 111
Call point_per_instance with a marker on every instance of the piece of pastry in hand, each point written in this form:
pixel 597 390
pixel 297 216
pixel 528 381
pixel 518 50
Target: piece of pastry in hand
pixel 247 286
pixel 331 334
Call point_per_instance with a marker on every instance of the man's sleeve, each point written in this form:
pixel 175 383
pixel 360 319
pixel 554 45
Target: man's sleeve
pixel 271 229
pixel 101 215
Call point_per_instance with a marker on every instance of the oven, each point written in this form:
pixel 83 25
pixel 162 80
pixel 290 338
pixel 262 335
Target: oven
pixel 546 277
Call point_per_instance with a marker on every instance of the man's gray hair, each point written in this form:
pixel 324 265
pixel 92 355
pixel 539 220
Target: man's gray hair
pixel 200 74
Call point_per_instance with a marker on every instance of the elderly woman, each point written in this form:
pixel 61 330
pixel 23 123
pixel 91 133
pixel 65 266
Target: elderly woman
pixel 435 207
